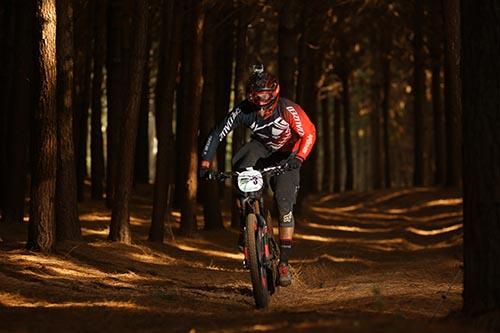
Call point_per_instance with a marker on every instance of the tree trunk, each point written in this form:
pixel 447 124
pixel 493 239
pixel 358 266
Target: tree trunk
pixel 169 60
pixel 346 106
pixel 208 189
pixel 418 94
pixel 337 160
pixel 453 112
pixel 83 62
pixel 7 59
pixel 376 139
pixel 182 103
pixel 224 65
pixel 307 97
pixel 302 99
pixel 327 145
pixel 386 82
pixel 481 102
pixel 120 218
pixel 287 47
pixel 17 114
pixel 41 234
pixel 239 87
pixel 436 59
pixel 141 170
pixel 188 204
pixel 96 143
pixel 67 223
pixel 116 64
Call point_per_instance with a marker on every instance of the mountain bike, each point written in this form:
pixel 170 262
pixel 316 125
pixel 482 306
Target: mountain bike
pixel 260 248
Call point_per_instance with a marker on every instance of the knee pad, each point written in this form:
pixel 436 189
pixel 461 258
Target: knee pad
pixel 286 220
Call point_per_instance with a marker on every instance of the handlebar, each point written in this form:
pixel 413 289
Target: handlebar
pixel 273 170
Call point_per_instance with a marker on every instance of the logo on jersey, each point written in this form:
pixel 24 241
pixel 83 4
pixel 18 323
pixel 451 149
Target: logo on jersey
pixel 296 118
pixel 229 124
pixel 207 145
pixel 308 144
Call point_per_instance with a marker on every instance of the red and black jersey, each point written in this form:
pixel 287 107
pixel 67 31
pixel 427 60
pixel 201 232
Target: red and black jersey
pixel 287 129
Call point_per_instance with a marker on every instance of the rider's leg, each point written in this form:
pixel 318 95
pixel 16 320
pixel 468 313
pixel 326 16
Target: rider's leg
pixel 249 155
pixel 286 188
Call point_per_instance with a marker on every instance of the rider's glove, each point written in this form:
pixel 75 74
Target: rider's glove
pixel 203 173
pixel 204 170
pixel 295 163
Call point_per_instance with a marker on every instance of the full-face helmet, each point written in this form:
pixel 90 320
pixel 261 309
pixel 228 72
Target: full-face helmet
pixel 263 90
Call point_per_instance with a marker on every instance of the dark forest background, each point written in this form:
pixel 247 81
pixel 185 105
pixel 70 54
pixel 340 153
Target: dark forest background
pixel 100 97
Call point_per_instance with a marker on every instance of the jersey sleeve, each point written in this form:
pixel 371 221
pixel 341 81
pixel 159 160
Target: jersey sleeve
pixel 302 125
pixel 221 130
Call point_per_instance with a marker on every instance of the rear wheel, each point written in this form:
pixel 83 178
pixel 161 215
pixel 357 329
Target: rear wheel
pixel 257 270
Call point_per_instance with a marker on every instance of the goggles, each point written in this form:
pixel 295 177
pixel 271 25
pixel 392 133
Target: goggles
pixel 261 98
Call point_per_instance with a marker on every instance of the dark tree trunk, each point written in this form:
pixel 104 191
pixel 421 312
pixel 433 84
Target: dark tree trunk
pixel 224 65
pixel 337 161
pixel 481 103
pixel 436 59
pixel 209 189
pixel 376 139
pixel 302 99
pixel 17 114
pixel 307 97
pixel 182 103
pixel 169 60
pixel 83 62
pixel 418 95
pixel 116 64
pixel 327 145
pixel 141 170
pixel 453 112
pixel 97 142
pixel 188 204
pixel 120 218
pixel 346 106
pixel 287 47
pixel 67 223
pixel 41 234
pixel 386 82
pixel 239 86
pixel 6 58
pixel 314 113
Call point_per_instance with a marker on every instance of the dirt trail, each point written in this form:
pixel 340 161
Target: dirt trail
pixel 370 262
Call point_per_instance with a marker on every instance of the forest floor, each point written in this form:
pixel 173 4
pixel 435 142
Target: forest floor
pixel 383 261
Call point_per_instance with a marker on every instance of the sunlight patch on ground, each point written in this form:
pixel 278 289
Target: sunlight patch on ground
pixel 359 216
pixel 95 218
pixel 399 193
pixel 95 232
pixel 15 300
pixel 214 253
pixel 388 219
pixel 347 228
pixel 422 232
pixel 433 203
pixel 389 244
pixel 53 268
pixel 325 257
pixel 151 259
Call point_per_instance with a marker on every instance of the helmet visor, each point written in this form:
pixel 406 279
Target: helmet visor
pixel 261 98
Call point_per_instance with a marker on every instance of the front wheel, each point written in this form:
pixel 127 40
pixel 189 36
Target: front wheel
pixel 257 270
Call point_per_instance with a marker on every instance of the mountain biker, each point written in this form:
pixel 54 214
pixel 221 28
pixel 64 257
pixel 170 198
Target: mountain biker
pixel 281 133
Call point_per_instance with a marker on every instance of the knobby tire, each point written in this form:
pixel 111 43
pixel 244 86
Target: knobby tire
pixel 260 292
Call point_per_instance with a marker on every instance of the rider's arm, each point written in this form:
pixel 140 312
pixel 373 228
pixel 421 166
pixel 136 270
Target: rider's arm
pixel 302 125
pixel 223 128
